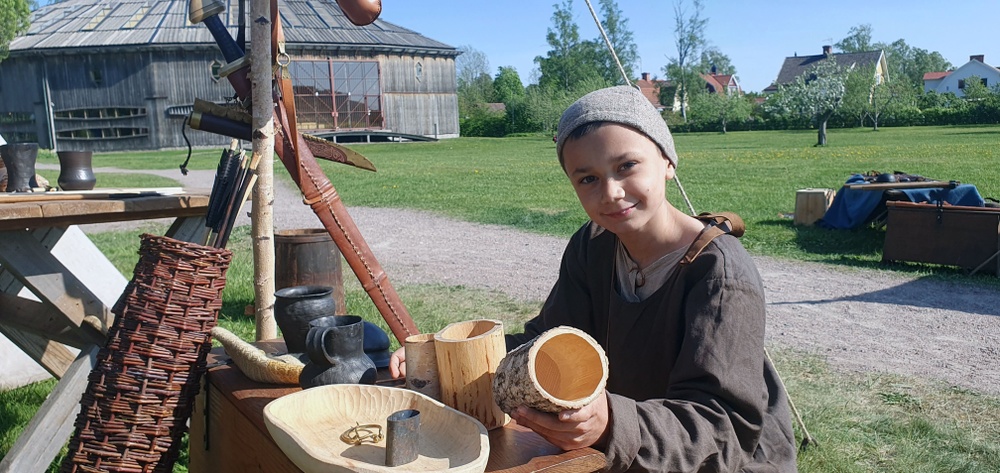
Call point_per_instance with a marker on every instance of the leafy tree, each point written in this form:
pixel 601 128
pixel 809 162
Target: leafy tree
pixel 975 89
pixel 713 57
pixel 909 64
pixel 720 109
pixel 689 37
pixel 475 86
pixel 616 28
pixel 858 40
pixel 816 95
pixel 856 103
pixel 904 62
pixel 570 60
pixel 508 89
pixel 507 85
pixel 889 98
pixel 14 20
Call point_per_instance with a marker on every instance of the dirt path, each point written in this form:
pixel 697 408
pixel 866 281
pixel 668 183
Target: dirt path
pixel 858 319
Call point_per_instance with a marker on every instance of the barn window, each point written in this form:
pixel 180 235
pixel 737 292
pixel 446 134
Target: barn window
pixel 99 113
pixel 110 133
pixel 418 70
pixel 214 69
pixel 96 75
pixel 332 94
pixel 97 19
pixel 136 18
pixel 16 117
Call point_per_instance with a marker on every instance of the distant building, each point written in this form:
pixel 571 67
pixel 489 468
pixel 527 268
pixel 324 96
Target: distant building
pixel 954 81
pixel 650 88
pixel 123 75
pixel 722 84
pixel 796 66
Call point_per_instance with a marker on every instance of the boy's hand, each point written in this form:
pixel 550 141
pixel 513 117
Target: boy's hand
pixel 397 364
pixel 570 429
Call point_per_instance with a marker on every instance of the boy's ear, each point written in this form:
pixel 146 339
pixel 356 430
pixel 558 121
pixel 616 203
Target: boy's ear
pixel 671 171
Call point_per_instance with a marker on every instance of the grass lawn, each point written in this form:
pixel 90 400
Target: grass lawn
pixel 863 422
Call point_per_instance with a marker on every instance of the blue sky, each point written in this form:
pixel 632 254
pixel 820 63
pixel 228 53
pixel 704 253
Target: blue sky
pixel 757 36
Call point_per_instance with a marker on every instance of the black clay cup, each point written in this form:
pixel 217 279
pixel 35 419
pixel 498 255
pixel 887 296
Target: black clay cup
pixel 296 306
pixel 335 346
pixel 19 159
pixel 76 171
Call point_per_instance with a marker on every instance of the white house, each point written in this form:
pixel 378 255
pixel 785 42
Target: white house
pixel 954 81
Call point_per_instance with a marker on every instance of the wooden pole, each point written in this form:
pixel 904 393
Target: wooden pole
pixel 263 150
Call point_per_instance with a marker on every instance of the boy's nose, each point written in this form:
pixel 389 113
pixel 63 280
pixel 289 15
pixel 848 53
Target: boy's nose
pixel 613 190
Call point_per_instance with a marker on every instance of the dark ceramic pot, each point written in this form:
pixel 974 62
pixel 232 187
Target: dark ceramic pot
pixel 19 159
pixel 335 346
pixel 296 306
pixel 76 171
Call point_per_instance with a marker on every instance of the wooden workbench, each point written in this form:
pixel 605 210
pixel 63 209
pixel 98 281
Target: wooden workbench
pixel 56 290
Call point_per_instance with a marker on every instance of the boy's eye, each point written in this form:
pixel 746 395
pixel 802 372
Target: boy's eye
pixel 628 165
pixel 587 179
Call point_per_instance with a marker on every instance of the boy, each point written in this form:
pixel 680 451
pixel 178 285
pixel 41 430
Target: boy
pixel 689 388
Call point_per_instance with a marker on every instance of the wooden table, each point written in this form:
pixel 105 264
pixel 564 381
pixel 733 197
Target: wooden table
pixel 56 290
pixel 228 432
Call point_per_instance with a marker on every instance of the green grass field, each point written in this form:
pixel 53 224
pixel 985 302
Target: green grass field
pixel 863 422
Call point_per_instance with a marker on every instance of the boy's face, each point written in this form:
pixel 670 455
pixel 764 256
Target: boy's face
pixel 620 176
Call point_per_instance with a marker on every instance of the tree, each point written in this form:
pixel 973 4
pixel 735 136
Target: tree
pixel 616 28
pixel 816 94
pixel 858 40
pixel 14 20
pixel 475 86
pixel 710 107
pixel 570 60
pixel 689 37
pixel 712 57
pixel 910 64
pixel 507 85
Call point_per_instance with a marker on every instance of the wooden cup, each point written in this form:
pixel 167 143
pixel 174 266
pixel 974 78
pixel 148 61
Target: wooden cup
pixel 468 354
pixel 563 368
pixel 421 365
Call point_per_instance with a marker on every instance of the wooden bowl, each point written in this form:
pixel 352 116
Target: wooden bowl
pixel 307 426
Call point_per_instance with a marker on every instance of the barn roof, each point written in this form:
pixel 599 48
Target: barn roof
pixel 72 24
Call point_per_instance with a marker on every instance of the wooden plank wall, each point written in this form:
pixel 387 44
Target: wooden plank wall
pixel 424 103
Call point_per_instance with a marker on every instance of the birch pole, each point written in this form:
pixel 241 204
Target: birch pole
pixel 261 219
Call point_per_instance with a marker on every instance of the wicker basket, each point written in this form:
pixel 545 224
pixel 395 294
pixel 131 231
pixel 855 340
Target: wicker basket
pixel 141 390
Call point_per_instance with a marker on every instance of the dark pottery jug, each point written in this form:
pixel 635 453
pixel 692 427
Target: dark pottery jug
pixel 19 159
pixel 335 346
pixel 76 171
pixel 296 306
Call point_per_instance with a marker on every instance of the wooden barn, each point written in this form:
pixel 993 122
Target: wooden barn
pixel 107 76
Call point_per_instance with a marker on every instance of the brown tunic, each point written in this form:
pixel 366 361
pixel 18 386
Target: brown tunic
pixel 689 385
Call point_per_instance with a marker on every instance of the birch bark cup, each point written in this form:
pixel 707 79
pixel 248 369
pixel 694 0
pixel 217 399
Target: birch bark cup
pixel 421 365
pixel 563 368
pixel 468 354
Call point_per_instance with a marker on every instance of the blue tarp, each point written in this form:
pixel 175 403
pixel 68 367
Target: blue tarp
pixel 852 208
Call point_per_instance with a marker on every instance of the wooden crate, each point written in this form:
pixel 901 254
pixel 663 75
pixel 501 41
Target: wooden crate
pixel 967 237
pixel 811 205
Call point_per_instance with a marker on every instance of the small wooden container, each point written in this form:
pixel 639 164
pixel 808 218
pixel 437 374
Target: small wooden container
pixel 811 205
pixel 468 354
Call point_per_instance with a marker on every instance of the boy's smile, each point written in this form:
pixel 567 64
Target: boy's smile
pixel 620 176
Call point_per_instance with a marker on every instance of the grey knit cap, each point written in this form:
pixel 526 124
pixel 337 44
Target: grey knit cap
pixel 624 105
